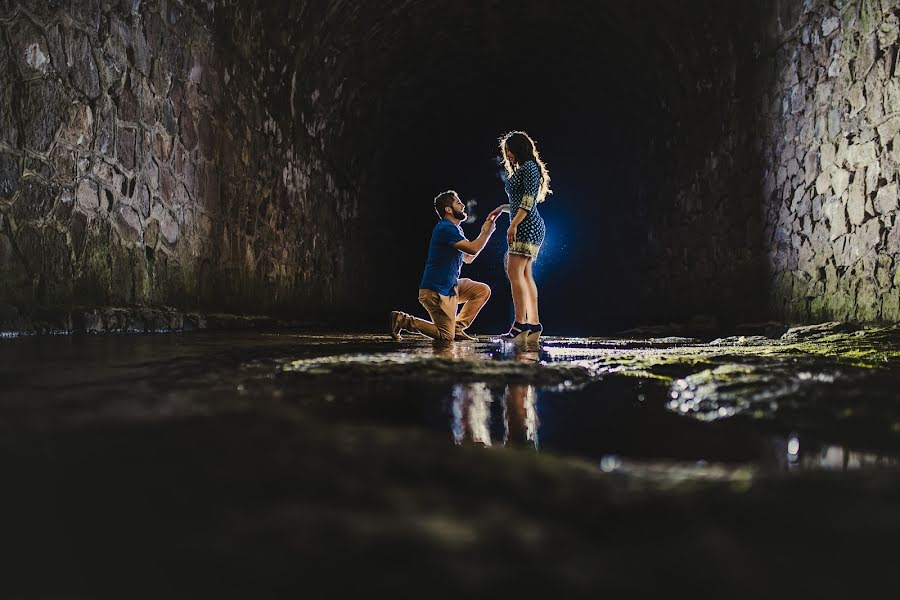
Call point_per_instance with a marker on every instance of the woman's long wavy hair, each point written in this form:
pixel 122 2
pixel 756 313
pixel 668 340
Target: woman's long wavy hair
pixel 524 149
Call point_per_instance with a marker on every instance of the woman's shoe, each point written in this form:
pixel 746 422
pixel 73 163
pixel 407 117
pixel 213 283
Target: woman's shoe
pixel 534 331
pixel 517 333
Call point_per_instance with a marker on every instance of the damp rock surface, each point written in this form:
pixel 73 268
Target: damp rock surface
pixel 226 461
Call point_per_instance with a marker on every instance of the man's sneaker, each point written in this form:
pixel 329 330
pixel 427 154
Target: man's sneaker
pixel 462 336
pixel 397 320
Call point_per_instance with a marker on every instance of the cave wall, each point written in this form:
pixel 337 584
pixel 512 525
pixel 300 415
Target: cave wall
pixel 829 119
pixel 168 153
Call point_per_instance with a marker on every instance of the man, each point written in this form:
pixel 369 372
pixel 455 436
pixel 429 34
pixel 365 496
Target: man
pixel 441 290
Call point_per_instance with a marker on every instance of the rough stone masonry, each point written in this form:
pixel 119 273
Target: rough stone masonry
pixel 148 158
pixel 830 117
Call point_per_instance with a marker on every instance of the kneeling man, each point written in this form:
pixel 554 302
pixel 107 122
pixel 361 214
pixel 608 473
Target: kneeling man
pixel 441 290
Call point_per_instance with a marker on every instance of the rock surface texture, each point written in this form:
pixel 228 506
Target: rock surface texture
pixel 829 120
pixel 156 154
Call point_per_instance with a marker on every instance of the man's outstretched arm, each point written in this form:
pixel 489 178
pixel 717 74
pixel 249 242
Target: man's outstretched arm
pixel 474 247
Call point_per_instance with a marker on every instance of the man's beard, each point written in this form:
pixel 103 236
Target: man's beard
pixel 459 215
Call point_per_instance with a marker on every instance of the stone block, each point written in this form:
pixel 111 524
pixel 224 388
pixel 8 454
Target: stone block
pixel 868 301
pixel 823 182
pixel 169 227
pixel 56 44
pixel 865 57
pixel 856 203
pixel 861 155
pixel 125 147
pixel 886 199
pixel 115 48
pixel 87 197
pixel 892 95
pixel 890 304
pixel 161 145
pixel 870 235
pixel 88 13
pixel 187 129
pixel 888 130
pixel 10 175
pixel 151 233
pixel 167 184
pixel 42 107
pixel 128 224
pixel 79 126
pixel 64 164
pixel 142 200
pixel 831 278
pixel 840 179
pixel 883 270
pixel 857 99
pixel 35 200
pixel 30 48
pixel 869 15
pixel 152 175
pixel 888 31
pixel 127 105
pixel 140 50
pixel 837 218
pixel 82 67
pixel 830 25
pixel 873 173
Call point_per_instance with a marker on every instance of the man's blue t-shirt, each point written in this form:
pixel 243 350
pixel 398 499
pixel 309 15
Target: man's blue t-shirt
pixel 444 261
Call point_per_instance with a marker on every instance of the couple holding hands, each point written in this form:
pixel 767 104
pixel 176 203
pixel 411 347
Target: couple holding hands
pixel 442 291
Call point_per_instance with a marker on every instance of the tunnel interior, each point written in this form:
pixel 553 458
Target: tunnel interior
pixel 628 103
pixel 281 158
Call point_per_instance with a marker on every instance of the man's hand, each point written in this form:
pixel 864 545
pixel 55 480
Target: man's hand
pixel 489 225
pixel 511 233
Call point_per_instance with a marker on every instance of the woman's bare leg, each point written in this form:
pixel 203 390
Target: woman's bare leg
pixel 531 308
pixel 515 270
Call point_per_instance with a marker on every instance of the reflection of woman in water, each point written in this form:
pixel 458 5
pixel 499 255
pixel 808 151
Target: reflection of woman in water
pixel 520 415
pixel 527 185
pixel 472 415
pixel 473 410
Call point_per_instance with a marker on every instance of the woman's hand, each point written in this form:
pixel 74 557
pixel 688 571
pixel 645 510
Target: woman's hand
pixel 496 212
pixel 511 233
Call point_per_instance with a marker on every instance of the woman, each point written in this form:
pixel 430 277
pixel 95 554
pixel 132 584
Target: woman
pixel 527 185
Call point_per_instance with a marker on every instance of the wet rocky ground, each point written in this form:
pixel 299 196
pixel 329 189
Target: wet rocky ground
pixel 246 464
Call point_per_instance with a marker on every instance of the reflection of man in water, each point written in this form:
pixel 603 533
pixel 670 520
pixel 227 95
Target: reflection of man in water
pixel 441 290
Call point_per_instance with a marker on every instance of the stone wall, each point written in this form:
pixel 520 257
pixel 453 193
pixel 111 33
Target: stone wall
pixel 829 121
pixel 149 156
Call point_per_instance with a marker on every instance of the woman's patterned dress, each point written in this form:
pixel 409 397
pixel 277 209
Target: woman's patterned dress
pixel 522 188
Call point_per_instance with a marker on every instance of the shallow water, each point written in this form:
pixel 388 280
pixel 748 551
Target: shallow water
pixel 550 398
pixel 356 443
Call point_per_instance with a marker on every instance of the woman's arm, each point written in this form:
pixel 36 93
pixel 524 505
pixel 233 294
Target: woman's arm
pixel 503 208
pixel 514 224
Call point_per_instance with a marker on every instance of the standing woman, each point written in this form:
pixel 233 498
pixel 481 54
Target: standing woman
pixel 527 185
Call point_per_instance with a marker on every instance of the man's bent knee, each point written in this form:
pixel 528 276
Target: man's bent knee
pixel 445 336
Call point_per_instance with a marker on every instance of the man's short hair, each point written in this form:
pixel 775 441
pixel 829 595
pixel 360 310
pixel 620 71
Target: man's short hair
pixel 443 200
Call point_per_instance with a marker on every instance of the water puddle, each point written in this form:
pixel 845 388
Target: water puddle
pixel 666 405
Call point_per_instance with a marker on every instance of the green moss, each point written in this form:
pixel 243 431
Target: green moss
pixel 869 15
pixel 872 348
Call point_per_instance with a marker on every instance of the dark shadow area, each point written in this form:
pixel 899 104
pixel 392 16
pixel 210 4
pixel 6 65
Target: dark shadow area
pixel 643 113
